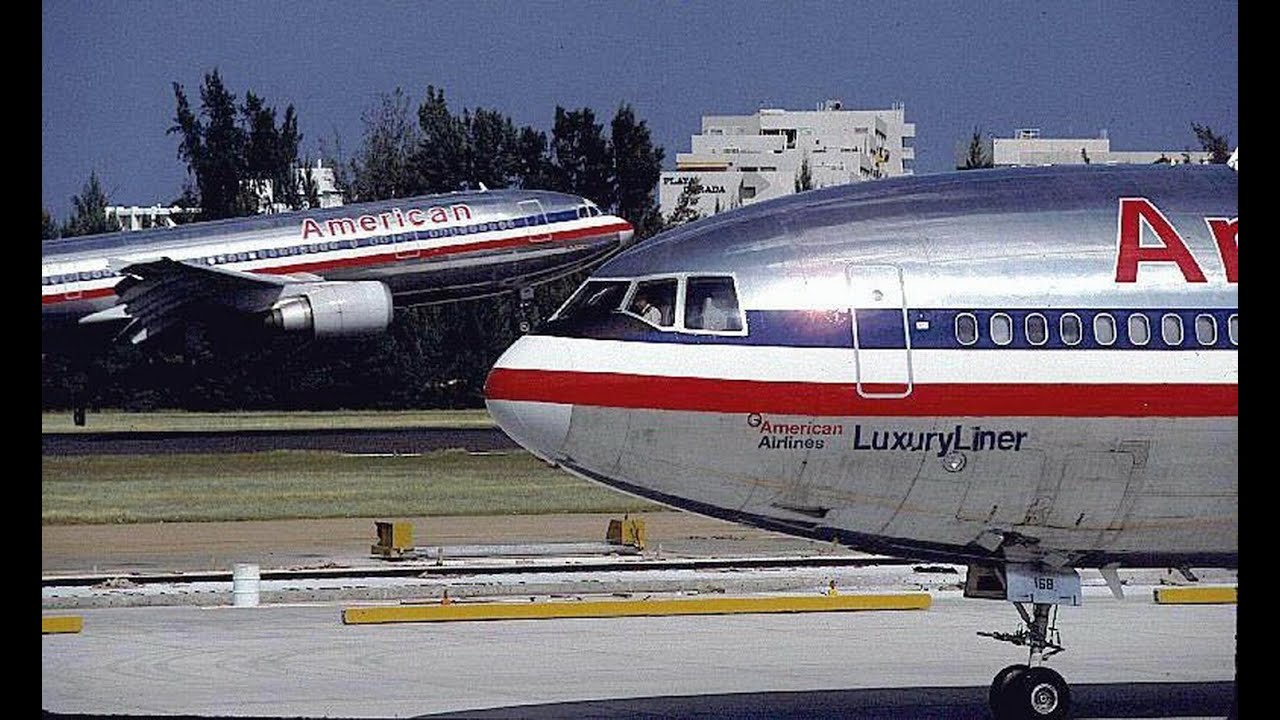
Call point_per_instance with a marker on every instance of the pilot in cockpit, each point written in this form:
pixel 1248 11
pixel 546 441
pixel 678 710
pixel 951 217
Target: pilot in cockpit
pixel 644 308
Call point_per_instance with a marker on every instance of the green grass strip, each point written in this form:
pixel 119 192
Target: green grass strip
pixel 178 421
pixel 302 484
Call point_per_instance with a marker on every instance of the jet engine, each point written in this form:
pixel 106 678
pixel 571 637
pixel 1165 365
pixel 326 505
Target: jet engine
pixel 333 309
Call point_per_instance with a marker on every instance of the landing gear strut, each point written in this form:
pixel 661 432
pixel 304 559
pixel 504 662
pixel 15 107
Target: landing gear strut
pixel 1029 690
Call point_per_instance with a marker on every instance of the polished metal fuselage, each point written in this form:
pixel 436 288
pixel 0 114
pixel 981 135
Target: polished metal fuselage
pixel 827 419
pixel 425 249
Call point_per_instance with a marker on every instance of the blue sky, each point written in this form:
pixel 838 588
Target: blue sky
pixel 1144 71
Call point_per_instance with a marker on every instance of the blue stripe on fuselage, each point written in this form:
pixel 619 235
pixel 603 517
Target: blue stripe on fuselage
pixel 929 329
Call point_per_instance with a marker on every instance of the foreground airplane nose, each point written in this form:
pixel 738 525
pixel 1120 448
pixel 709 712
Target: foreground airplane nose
pixel 515 394
pixel 540 428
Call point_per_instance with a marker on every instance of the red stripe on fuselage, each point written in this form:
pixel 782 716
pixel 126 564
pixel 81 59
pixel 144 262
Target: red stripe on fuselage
pixel 385 258
pixel 841 399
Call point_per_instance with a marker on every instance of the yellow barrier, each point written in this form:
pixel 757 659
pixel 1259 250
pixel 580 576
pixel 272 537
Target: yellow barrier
pixel 1195 595
pixel 456 611
pixel 61 624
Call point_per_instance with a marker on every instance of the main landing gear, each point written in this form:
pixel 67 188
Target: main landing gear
pixel 1029 690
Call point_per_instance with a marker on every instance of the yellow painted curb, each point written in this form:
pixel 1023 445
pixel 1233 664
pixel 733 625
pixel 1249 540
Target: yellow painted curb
pixel 455 611
pixel 61 624
pixel 1195 595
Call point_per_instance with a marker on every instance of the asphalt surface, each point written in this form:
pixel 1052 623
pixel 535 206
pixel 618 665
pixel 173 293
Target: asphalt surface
pixel 1095 700
pixel 1127 658
pixel 403 441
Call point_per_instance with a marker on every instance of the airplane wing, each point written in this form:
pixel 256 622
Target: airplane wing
pixel 157 294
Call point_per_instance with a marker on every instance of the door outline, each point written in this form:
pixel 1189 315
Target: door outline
pixel 864 281
pixel 535 207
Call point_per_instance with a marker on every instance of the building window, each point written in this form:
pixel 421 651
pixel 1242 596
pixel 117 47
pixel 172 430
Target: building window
pixel 1104 329
pixel 1069 327
pixel 1171 329
pixel 1001 329
pixel 966 328
pixel 1139 329
pixel 1037 329
pixel 1206 330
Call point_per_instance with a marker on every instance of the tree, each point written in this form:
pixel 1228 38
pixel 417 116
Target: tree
pixel 1216 145
pixel 441 157
pixel 637 165
pixel 213 149
pixel 48 228
pixel 89 216
pixel 580 157
pixel 234 153
pixel 386 165
pixel 533 166
pixel 977 155
pixel 804 178
pixel 491 149
pixel 686 209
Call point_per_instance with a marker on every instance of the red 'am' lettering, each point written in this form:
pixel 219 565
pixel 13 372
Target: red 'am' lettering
pixel 1225 234
pixel 1135 211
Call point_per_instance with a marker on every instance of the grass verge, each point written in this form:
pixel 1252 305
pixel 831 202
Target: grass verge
pixel 177 421
pixel 101 489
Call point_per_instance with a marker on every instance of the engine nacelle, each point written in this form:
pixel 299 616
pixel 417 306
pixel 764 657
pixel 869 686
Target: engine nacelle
pixel 334 309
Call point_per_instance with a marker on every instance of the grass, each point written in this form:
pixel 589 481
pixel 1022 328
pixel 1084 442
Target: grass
pixel 297 484
pixel 178 421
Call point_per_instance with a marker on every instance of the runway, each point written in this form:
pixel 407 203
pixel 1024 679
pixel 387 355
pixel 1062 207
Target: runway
pixel 1128 659
pixel 380 440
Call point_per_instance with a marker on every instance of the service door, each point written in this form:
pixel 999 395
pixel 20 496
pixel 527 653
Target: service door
pixel 881 342
pixel 535 219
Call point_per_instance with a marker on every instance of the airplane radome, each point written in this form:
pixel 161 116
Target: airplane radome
pixel 327 273
pixel 1027 371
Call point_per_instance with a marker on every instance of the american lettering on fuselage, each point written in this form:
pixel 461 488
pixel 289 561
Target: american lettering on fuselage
pixel 1026 371
pixel 326 273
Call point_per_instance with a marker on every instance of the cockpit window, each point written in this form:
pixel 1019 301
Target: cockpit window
pixel 655 301
pixel 711 303
pixel 595 299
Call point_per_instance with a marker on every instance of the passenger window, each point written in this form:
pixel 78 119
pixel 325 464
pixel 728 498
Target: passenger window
pixel 594 300
pixel 1171 329
pixel 1104 329
pixel 1139 329
pixel 655 301
pixel 966 328
pixel 1001 329
pixel 1233 334
pixel 1206 330
pixel 1037 329
pixel 1069 327
pixel 711 303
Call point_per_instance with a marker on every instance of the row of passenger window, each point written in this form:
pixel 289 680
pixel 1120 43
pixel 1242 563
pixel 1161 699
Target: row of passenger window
pixel 1071 329
pixel 330 245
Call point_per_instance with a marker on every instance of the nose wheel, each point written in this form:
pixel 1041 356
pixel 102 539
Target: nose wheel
pixel 1021 691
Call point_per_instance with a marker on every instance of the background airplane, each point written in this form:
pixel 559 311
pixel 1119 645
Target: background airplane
pixel 1027 371
pixel 327 273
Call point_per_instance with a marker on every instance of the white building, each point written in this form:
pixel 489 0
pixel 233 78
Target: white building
pixel 740 159
pixel 326 189
pixel 141 218
pixel 1027 147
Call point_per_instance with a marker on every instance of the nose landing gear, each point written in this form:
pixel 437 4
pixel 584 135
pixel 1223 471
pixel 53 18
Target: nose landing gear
pixel 1029 690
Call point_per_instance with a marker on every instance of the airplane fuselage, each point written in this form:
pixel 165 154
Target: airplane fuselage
pixel 423 249
pixel 1032 365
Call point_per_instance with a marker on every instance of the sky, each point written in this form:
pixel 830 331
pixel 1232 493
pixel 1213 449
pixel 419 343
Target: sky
pixel 1141 71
